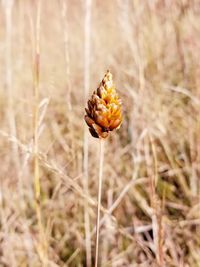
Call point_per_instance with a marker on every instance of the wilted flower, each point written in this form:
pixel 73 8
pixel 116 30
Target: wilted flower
pixel 104 112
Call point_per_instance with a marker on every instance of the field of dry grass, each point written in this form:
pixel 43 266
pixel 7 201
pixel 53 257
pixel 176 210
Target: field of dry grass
pixel 53 54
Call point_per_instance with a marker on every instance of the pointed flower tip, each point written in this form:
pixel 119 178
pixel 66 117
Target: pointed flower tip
pixel 104 111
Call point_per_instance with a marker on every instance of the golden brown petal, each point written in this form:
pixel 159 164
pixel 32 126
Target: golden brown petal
pixel 89 121
pixel 115 124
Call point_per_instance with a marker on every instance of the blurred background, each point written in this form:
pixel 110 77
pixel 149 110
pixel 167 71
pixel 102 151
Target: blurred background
pixel 53 55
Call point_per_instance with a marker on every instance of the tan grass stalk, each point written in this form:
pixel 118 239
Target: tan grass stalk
pixel 65 29
pixel 87 33
pixel 101 141
pixel 157 212
pixel 36 73
pixel 8 7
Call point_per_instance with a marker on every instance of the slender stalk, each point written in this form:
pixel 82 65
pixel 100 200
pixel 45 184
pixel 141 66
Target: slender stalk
pixel 8 6
pixel 99 201
pixel 87 33
pixel 36 73
pixel 65 28
pixel 157 211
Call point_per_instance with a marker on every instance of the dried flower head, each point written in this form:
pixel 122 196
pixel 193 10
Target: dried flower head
pixel 104 112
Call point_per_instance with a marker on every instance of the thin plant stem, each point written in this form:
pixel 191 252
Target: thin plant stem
pixel 36 73
pixel 8 6
pixel 65 28
pixel 99 201
pixel 157 212
pixel 87 34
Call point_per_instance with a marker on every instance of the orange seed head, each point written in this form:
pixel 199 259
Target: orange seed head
pixel 104 111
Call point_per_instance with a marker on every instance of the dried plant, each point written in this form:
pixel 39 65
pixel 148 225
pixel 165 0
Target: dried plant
pixel 150 207
pixel 42 246
pixel 87 52
pixel 104 114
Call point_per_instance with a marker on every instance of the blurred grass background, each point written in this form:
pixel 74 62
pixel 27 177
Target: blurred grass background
pixel 151 183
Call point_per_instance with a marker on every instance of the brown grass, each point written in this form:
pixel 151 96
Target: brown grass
pixel 151 190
